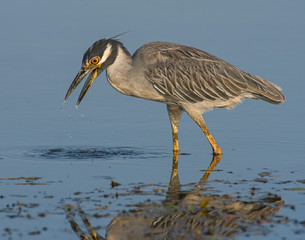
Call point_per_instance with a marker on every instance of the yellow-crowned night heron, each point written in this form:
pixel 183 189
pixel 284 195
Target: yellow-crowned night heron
pixel 182 77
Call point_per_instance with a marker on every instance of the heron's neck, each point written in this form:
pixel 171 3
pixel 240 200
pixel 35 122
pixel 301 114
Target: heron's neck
pixel 118 72
pixel 128 78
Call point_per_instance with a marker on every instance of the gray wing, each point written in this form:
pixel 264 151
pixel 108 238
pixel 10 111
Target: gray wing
pixel 182 73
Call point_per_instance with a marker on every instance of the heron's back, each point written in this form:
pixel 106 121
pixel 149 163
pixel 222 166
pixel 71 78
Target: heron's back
pixel 186 74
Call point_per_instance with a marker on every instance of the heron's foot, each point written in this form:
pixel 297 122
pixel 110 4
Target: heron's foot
pixel 216 150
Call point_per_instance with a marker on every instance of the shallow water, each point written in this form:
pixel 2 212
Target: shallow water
pixel 111 160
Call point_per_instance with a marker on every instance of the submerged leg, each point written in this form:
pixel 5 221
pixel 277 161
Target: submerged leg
pixel 200 121
pixel 174 113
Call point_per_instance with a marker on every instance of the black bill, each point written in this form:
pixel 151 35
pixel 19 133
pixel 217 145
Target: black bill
pixel 79 77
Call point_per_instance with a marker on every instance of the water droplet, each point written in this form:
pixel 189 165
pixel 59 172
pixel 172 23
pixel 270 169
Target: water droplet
pixel 62 106
pixel 69 135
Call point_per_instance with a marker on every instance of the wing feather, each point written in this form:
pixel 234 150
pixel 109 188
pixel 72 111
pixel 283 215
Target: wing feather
pixel 188 74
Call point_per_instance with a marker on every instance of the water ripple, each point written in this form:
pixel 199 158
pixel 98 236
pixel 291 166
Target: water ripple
pixel 87 153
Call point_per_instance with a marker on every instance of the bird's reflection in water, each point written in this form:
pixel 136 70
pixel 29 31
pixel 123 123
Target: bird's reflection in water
pixel 185 215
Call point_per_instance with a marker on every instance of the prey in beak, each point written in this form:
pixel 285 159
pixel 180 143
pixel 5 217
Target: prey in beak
pixel 95 61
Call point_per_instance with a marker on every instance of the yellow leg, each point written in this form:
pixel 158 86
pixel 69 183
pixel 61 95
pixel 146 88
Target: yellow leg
pixel 174 113
pixel 200 121
pixel 175 139
pixel 216 148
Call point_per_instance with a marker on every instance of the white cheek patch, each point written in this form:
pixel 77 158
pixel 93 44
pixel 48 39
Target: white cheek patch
pixel 106 54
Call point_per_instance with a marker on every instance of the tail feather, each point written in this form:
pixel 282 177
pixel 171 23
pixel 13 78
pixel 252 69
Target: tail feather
pixel 267 91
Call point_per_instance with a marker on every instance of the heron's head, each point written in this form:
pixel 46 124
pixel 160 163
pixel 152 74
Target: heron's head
pixel 96 59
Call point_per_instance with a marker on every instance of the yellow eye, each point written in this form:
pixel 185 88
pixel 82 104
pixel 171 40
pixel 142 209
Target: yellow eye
pixel 94 61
